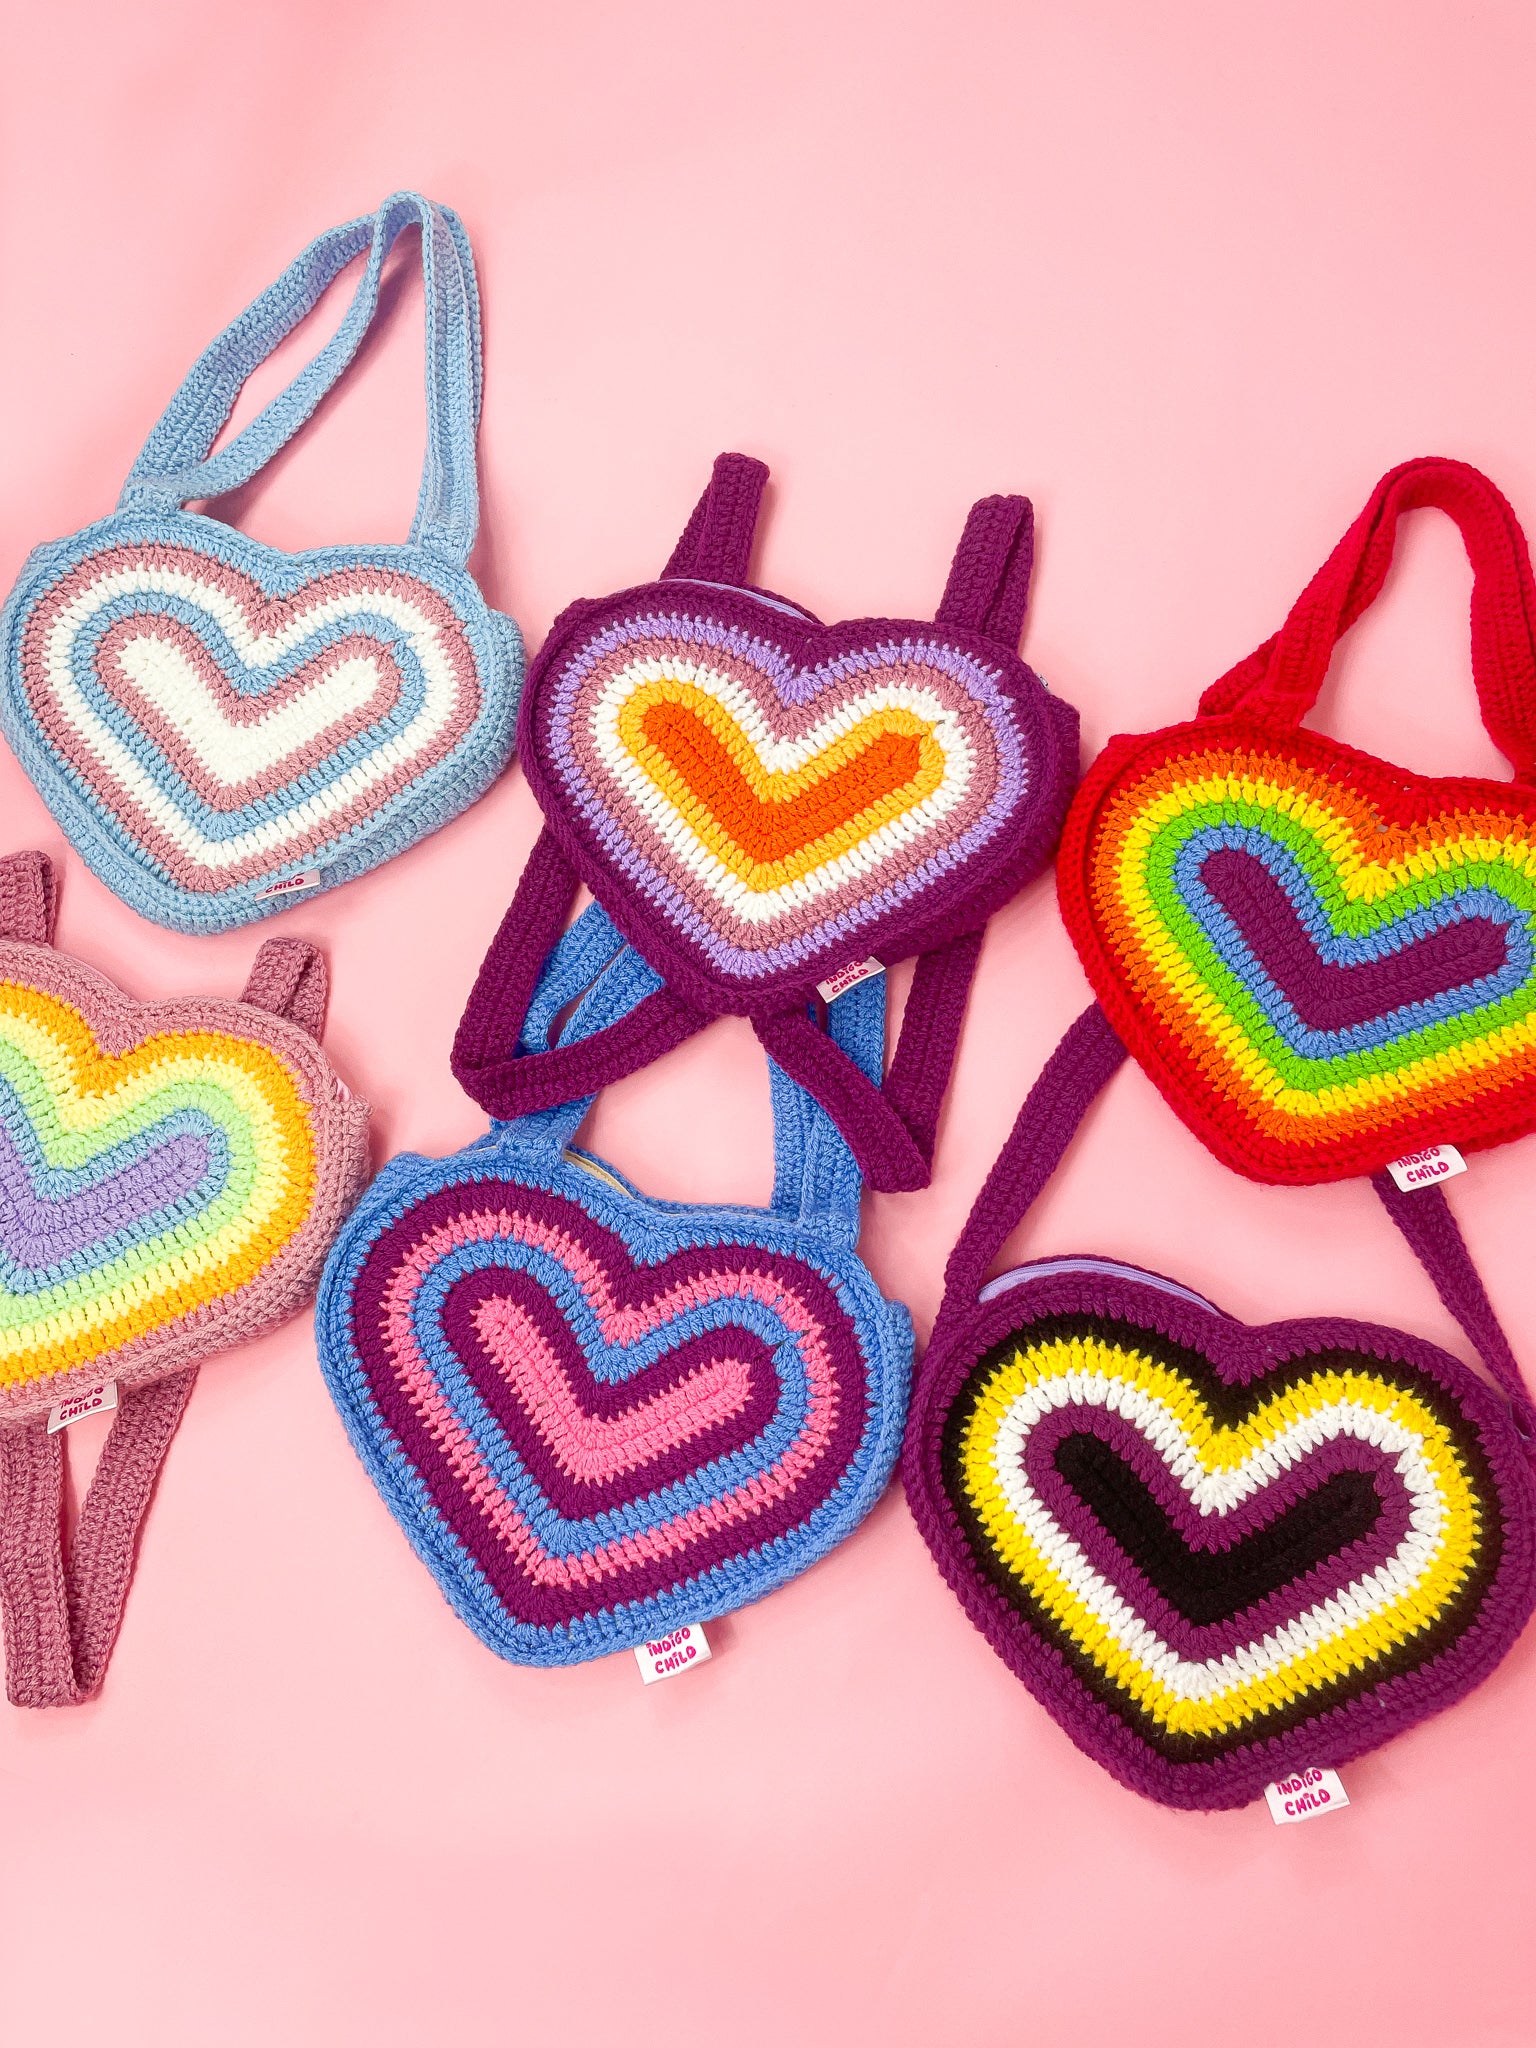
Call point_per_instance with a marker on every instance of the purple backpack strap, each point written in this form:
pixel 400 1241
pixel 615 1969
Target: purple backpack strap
pixel 1070 1081
pixel 892 1128
pixel 716 547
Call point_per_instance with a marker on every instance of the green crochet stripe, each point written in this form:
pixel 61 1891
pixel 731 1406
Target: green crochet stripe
pixel 1350 919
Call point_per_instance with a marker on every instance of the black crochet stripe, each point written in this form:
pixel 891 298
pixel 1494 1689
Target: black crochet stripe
pixel 1145 1535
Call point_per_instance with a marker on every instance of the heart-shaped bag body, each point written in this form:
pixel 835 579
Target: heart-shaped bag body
pixel 1217 1554
pixel 762 802
pixel 171 1177
pixel 597 1416
pixel 219 726
pixel 1325 962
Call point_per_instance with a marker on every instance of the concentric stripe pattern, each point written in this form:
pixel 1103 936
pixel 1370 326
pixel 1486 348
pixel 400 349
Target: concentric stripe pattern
pixel 137 1190
pixel 1323 964
pixel 773 813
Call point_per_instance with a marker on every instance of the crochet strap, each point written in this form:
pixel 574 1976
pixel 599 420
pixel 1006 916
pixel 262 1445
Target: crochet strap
pixel 62 1611
pixel 289 978
pixel 716 546
pixel 492 1060
pixel 592 980
pixel 176 466
pixel 988 587
pixel 1073 1077
pixel 1279 682
pixel 28 898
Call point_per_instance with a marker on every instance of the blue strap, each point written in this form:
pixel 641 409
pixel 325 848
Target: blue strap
pixel 175 465
pixel 597 978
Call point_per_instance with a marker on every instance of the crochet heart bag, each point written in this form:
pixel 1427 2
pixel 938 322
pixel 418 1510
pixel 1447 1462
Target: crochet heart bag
pixel 171 1177
pixel 766 805
pixel 594 1415
pixel 219 726
pixel 1221 1553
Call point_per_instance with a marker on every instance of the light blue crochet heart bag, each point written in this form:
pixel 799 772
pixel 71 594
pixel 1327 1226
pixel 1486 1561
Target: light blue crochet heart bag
pixel 597 1416
pixel 220 726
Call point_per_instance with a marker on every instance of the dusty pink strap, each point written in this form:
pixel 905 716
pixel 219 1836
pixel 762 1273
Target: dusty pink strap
pixel 289 978
pixel 62 1611
pixel 716 546
pixel 485 1058
pixel 28 898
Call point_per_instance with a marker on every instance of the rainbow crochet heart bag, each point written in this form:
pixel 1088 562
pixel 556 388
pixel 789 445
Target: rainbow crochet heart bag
pixel 171 1177
pixel 1219 1554
pixel 219 726
pixel 762 802
pixel 597 1416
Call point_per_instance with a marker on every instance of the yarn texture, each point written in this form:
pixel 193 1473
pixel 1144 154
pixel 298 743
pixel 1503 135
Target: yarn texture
pixel 1323 961
pixel 171 1177
pixel 761 801
pixel 1215 1553
pixel 598 1416
pixel 219 725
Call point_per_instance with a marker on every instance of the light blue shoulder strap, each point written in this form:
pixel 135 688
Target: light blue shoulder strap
pixel 175 465
pixel 592 979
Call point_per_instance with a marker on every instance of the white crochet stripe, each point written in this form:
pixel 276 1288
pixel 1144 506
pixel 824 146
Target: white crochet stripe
pixel 228 751
pixel 779 756
pixel 1218 1493
pixel 98 744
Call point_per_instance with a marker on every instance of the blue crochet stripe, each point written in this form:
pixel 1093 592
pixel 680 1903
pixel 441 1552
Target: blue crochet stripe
pixel 432 799
pixel 1345 949
pixel 255 684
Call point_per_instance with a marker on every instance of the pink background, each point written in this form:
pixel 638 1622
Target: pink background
pixel 1191 275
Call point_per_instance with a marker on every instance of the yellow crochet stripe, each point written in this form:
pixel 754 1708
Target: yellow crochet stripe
pixel 91 1095
pixel 1246 1698
pixel 1361 878
pixel 776 786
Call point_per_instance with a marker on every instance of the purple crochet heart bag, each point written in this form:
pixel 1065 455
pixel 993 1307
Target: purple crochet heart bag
pixel 764 804
pixel 1216 1553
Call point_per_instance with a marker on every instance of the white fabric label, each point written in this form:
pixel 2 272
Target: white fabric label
pixel 94 1401
pixel 846 978
pixel 678 1651
pixel 1419 1169
pixel 1305 1796
pixel 292 885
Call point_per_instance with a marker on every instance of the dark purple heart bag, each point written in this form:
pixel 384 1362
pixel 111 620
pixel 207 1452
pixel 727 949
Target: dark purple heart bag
pixel 1216 1553
pixel 766 806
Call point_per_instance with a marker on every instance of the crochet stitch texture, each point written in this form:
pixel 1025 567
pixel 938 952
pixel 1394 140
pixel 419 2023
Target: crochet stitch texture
pixel 218 725
pixel 1215 1553
pixel 598 1416
pixel 761 801
pixel 1323 961
pixel 171 1177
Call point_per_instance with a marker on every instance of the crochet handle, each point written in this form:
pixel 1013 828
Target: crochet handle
pixel 593 979
pixel 29 894
pixel 1071 1080
pixel 176 465
pixel 62 1611
pixel 716 545
pixel 289 978
pixel 1279 682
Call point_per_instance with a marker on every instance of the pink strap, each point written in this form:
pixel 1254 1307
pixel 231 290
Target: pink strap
pixel 1279 681
pixel 62 1613
pixel 28 898
pixel 289 978
pixel 716 546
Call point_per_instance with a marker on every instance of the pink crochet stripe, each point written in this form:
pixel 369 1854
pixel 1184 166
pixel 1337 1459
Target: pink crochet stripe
pixel 618 1326
pixel 587 1446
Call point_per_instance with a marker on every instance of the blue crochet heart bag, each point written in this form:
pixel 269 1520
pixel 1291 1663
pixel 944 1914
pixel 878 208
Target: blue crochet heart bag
pixel 219 726
pixel 598 1416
